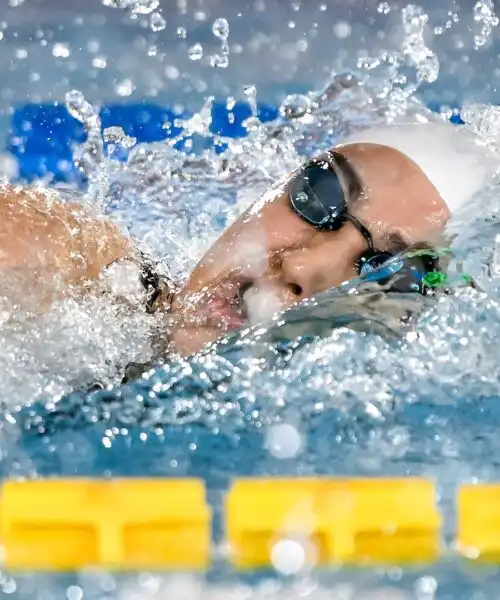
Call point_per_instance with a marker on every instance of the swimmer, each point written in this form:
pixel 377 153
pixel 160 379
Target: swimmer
pixel 378 193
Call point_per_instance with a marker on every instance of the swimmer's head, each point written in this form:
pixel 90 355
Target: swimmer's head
pixel 386 189
pixel 454 160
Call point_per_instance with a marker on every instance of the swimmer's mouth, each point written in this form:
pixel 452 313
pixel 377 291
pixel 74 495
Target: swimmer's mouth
pixel 226 308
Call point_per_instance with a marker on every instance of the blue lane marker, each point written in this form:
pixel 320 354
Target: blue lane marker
pixel 42 136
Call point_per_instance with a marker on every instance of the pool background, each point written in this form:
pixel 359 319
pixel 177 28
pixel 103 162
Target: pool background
pixel 438 430
pixel 282 46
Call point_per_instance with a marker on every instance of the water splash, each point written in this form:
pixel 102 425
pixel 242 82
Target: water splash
pixel 398 74
pixel 137 8
pixel 141 7
pixel 485 21
pixel 89 157
pixel 220 29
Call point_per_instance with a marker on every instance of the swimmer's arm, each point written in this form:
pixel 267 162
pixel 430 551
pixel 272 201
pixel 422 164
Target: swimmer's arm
pixel 59 242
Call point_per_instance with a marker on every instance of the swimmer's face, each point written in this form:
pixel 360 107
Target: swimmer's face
pixel 270 258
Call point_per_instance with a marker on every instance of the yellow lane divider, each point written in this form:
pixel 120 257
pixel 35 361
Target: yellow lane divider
pixel 478 521
pixel 337 520
pixel 67 524
pixel 121 523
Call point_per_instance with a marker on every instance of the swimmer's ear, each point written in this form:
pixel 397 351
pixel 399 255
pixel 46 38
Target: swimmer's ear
pixel 159 283
pixel 162 301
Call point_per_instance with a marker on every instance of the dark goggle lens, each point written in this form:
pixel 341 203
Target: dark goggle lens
pixel 317 196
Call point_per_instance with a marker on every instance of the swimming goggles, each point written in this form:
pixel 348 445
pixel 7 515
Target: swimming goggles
pixel 318 193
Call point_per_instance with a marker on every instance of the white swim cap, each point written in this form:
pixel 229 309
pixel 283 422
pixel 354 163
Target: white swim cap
pixel 455 161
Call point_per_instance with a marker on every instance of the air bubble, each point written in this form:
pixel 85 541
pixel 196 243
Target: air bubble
pixel 384 8
pixel 181 33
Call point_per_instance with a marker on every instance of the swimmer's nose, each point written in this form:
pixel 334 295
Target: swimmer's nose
pixel 309 271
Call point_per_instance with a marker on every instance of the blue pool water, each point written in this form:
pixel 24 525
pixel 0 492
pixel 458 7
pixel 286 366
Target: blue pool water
pixel 304 398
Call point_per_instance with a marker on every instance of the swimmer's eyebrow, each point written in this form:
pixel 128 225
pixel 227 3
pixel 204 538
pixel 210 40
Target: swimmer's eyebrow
pixel 355 188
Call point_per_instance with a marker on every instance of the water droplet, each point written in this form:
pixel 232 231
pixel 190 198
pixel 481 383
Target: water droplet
pixel 74 593
pixel 384 8
pixel 250 91
pixel 128 142
pixel 172 72
pixel 9 586
pixel 113 135
pixel 60 50
pixel 414 47
pixel 93 46
pixel 289 556
pixel 295 106
pixel 220 28
pixel 9 167
pixel 125 88
pixel 342 30
pixel 157 22
pixel 21 53
pixel 485 20
pixel 220 61
pixel 137 7
pixel 426 586
pixel 283 441
pixel 78 107
pixel 195 52
pixel 99 62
